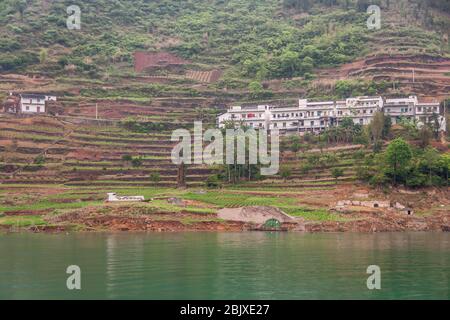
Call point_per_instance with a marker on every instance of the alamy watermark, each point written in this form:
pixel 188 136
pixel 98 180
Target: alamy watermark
pixel 231 149
pixel 374 21
pixel 73 21
pixel 374 280
pixel 74 280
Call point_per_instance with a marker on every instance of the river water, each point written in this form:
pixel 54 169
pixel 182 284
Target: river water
pixel 253 265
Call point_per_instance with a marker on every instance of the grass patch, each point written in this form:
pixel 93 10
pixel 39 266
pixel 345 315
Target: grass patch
pixel 48 204
pixel 22 221
pixel 316 215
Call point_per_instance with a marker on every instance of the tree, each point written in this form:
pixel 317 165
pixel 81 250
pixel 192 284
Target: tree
pixel 256 89
pixel 181 176
pixel 387 127
pixel 398 155
pixel 425 136
pixel 127 157
pixel 155 177
pixel 136 162
pixel 430 160
pixel 337 173
pixel 20 6
pixel 377 126
pixel 295 143
pixel 213 182
pixel 43 56
pixel 285 173
pixel 288 64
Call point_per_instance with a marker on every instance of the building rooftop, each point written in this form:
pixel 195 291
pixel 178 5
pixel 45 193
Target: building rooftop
pixel 32 96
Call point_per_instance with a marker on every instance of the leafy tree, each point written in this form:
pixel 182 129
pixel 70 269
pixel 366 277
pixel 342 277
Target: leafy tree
pixel 430 162
pixel 43 56
pixel 155 177
pixel 337 173
pixel 398 156
pixel 256 89
pixel 377 126
pixel 20 6
pixel 425 136
pixel 213 181
pixel 127 157
pixel 285 173
pixel 136 162
pixel 295 143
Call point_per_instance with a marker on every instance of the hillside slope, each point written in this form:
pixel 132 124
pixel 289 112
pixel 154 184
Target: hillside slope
pixel 249 40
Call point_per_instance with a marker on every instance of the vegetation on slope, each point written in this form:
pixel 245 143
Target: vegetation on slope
pixel 257 39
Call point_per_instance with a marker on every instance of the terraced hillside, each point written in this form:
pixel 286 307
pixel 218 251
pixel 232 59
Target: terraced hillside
pixel 239 51
pixel 46 150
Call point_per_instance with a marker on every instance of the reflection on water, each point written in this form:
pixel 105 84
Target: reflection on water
pixel 225 265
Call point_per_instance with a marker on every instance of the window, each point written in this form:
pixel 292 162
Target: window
pixel 312 123
pixel 319 113
pixel 27 108
pixel 38 109
pixel 275 125
pixel 284 124
pixel 361 121
pixel 419 109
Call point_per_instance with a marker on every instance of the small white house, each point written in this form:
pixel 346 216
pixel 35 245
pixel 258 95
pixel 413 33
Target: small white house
pixel 34 103
pixel 113 197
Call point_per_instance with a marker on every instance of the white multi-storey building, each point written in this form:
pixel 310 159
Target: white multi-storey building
pixel 34 103
pixel 317 116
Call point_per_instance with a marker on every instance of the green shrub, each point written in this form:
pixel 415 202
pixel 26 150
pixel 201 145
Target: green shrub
pixel 213 182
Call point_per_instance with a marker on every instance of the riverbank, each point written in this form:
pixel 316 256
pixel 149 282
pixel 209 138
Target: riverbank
pixel 343 208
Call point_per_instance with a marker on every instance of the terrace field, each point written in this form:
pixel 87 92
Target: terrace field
pixel 86 155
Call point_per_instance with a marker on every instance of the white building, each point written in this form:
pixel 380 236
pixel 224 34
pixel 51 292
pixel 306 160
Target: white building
pixel 410 108
pixel 34 103
pixel 317 116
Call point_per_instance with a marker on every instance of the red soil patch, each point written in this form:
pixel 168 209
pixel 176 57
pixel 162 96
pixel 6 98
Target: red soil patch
pixel 145 60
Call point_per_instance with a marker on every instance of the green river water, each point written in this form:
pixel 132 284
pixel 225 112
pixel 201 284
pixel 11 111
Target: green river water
pixel 253 265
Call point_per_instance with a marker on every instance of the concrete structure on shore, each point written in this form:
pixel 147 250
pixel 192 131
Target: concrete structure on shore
pixel 315 117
